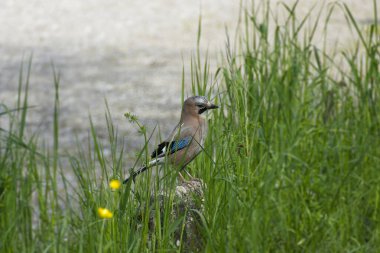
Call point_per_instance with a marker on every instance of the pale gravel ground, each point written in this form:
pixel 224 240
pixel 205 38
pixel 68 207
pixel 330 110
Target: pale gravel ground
pixel 129 52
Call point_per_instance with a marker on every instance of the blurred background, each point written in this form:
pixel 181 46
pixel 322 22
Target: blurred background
pixel 129 52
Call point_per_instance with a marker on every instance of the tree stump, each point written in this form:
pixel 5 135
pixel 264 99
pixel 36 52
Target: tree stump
pixel 187 203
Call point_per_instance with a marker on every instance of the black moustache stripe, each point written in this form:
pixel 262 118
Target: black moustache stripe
pixel 202 110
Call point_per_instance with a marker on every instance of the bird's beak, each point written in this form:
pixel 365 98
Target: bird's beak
pixel 211 106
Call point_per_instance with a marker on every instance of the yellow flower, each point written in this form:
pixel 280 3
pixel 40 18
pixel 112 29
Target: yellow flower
pixel 115 184
pixel 104 213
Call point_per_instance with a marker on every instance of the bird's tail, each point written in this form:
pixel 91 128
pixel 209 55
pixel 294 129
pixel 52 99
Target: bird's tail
pixel 142 169
pixel 135 173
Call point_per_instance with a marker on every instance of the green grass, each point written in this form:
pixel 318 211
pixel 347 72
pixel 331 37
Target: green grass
pixel 291 162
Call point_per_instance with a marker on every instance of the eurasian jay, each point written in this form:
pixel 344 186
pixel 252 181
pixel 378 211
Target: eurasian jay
pixel 186 140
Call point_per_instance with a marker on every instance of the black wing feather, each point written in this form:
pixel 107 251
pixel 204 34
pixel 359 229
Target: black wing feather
pixel 159 149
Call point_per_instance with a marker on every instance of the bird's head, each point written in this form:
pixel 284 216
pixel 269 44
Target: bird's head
pixel 197 105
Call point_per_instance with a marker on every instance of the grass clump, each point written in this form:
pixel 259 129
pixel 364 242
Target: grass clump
pixel 296 149
pixel 291 161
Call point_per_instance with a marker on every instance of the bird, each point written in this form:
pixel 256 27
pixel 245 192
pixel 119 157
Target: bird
pixel 186 140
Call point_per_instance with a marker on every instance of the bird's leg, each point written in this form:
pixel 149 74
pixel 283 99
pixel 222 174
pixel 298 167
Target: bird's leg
pixel 181 178
pixel 191 177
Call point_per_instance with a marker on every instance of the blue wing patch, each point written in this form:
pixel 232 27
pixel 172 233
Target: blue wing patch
pixel 173 146
pixel 179 144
